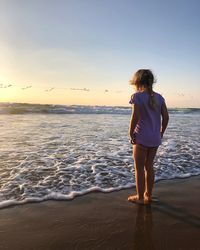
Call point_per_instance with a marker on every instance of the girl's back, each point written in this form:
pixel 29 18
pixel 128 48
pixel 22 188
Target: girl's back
pixel 147 131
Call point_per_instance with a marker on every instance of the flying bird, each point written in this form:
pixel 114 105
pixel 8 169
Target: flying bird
pixel 180 94
pixel 27 87
pixel 84 89
pixel 48 90
pixel 5 86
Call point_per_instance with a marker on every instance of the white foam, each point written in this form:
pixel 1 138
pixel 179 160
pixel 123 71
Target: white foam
pixel 56 157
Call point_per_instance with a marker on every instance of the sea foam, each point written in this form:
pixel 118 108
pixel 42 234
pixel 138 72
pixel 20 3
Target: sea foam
pixel 60 157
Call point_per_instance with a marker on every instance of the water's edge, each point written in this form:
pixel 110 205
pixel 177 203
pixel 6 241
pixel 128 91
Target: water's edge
pixel 60 197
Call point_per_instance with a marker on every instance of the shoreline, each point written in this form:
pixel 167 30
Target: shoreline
pixel 108 221
pixel 11 203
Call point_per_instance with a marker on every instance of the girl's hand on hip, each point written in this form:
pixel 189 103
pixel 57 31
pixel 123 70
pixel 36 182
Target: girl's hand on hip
pixel 132 139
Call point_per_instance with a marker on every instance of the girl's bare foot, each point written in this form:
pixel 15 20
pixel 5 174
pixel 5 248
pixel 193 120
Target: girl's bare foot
pixel 135 199
pixel 147 199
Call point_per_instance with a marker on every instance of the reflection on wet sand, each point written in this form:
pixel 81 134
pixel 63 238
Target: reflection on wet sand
pixel 143 228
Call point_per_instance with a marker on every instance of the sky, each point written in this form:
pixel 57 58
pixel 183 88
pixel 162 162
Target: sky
pixel 84 52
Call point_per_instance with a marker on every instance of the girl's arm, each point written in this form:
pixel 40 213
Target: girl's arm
pixel 165 118
pixel 134 120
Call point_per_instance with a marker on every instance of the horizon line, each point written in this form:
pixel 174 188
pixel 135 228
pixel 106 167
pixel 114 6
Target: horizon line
pixel 30 103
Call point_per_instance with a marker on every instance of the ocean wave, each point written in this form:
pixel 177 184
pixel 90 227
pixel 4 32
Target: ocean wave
pixel 26 108
pixel 60 157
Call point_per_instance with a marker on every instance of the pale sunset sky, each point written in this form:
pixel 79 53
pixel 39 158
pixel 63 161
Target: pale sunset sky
pixel 85 51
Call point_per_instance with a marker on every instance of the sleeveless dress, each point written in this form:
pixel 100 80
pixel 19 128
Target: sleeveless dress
pixel 147 131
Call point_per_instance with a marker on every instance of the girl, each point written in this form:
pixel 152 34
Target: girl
pixel 146 131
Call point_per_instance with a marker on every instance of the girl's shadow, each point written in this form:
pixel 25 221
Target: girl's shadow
pixel 143 230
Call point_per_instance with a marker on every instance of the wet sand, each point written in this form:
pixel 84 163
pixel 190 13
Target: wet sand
pixel 108 221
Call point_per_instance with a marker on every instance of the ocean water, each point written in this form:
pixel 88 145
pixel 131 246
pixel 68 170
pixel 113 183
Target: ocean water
pixel 60 152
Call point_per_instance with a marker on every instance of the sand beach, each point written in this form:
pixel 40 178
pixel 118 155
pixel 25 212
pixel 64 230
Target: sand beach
pixel 108 221
pixel 80 81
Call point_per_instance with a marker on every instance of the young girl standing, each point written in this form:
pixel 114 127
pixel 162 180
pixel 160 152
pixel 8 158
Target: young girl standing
pixel 146 131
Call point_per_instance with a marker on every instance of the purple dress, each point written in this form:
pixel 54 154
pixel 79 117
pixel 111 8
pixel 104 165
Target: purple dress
pixel 147 131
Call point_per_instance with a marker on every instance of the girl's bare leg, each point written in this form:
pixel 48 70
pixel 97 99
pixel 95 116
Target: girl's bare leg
pixel 149 172
pixel 139 156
